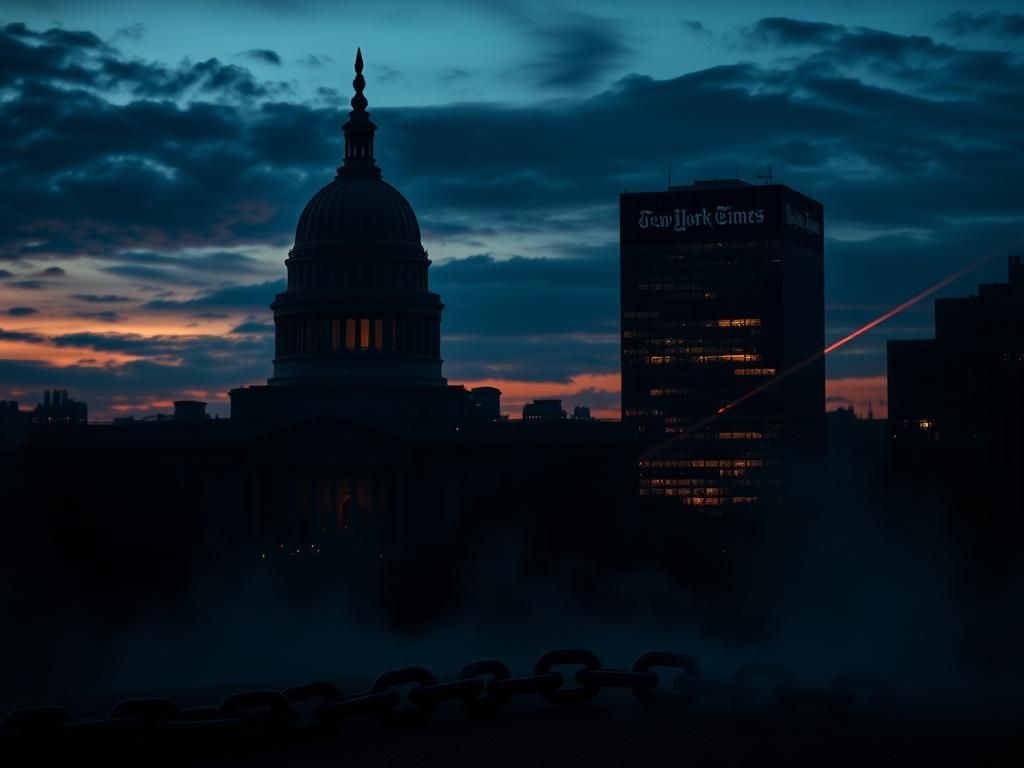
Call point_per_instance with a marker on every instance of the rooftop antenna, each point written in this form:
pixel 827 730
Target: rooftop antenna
pixel 766 178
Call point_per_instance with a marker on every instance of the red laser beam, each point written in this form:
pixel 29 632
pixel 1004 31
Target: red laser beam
pixel 830 348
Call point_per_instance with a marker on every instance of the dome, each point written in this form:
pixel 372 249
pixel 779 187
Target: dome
pixel 358 207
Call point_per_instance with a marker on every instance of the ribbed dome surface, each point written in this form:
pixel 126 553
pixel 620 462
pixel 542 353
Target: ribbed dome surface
pixel 358 207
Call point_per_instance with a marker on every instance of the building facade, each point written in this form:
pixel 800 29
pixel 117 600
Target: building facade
pixel 722 290
pixel 357 330
pixel 956 414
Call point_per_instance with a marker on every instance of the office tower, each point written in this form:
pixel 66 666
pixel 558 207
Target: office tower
pixel 722 291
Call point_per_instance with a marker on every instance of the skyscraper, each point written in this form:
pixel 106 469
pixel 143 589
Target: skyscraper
pixel 956 409
pixel 722 289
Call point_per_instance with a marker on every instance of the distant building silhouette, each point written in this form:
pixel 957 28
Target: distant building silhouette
pixel 486 403
pixel 190 410
pixel 581 412
pixel 851 438
pixel 722 289
pixel 58 408
pixel 543 410
pixel 956 407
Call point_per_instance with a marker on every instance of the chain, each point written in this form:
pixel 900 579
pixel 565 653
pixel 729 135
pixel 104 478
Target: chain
pixel 483 687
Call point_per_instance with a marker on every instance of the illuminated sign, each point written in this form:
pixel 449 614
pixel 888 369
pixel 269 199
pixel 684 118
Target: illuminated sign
pixel 681 219
pixel 802 220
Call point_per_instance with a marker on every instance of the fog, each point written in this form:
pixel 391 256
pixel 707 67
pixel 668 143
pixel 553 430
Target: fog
pixel 845 582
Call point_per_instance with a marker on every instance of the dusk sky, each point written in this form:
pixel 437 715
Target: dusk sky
pixel 156 157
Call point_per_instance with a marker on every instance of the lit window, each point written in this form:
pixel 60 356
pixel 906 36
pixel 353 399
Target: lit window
pixel 378 334
pixel 734 322
pixel 364 333
pixel 350 334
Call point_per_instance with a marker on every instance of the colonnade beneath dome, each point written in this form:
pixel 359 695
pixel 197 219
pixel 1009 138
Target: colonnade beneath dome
pixel 358 333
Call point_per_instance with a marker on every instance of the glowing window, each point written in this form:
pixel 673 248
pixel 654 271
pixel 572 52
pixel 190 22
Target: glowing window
pixel 364 333
pixel 350 334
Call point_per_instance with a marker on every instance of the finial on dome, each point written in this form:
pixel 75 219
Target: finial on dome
pixel 359 130
pixel 359 101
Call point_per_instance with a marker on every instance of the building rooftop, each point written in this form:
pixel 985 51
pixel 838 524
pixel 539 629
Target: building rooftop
pixel 712 184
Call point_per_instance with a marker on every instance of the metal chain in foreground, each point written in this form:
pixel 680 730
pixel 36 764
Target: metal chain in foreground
pixel 482 687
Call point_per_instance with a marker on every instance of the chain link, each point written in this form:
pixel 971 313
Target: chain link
pixel 483 687
pixel 490 700
pixel 395 677
pixel 582 693
pixel 265 707
pixel 647 694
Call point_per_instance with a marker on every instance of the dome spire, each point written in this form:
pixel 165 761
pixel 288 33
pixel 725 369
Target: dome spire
pixel 359 130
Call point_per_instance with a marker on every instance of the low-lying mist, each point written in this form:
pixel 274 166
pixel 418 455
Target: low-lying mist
pixel 854 578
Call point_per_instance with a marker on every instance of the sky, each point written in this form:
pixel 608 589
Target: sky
pixel 156 157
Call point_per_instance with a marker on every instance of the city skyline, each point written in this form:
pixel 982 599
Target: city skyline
pixel 151 218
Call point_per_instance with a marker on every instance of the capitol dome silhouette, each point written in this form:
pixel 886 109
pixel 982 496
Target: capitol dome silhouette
pixel 357 208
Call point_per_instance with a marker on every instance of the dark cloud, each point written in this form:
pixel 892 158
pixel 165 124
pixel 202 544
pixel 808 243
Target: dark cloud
pixel 577 50
pixel 30 338
pixel 4 274
pixel 262 55
pixel 133 32
pixel 454 74
pixel 316 60
pixel 694 26
pixel 779 30
pixel 529 297
pixel 106 298
pixel 600 269
pixel 159 175
pixel 917 63
pixel 253 326
pixel 27 285
pixel 52 272
pixel 21 311
pixel 224 262
pixel 384 73
pixel 548 358
pixel 56 37
pixel 992 23
pixel 81 59
pixel 447 229
pixel 142 272
pixel 248 297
